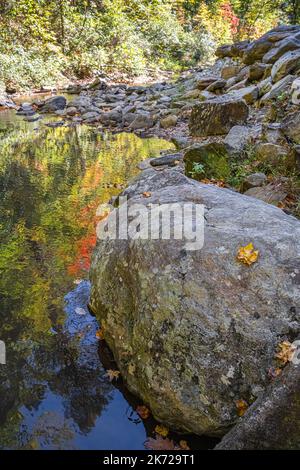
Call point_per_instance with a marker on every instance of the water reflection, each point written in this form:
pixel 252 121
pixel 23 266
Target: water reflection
pixel 53 390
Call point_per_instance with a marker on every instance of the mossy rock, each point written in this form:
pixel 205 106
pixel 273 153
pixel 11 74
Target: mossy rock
pixel 213 156
pixel 276 156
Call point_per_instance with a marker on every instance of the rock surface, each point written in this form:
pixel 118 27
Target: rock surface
pixel 254 180
pixel 215 117
pixel 5 101
pixel 291 126
pixel 53 104
pixel 287 64
pixel 272 422
pixel 195 331
pixel 238 137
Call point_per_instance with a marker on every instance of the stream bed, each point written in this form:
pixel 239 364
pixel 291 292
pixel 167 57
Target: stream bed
pixel 54 391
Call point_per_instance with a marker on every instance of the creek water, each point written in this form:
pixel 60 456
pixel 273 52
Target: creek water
pixel 54 391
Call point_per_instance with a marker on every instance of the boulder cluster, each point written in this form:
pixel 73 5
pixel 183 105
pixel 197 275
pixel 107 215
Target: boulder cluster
pixel 196 333
pixel 247 104
pixel 253 105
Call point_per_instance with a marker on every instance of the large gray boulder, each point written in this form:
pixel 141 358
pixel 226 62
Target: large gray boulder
pixel 206 81
pixel 248 94
pixel 291 126
pixel 53 104
pixel 257 50
pixel 287 64
pixel 238 138
pixel 286 45
pixel 217 116
pixel 256 71
pixel 279 88
pixel 143 120
pixel 269 46
pixel 194 331
pixel 232 50
pixel 229 71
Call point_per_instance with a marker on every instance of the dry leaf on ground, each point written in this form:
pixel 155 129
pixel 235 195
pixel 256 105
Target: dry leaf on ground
pixel 286 352
pixel 100 334
pixel 112 374
pixel 143 411
pixel 219 183
pixel 161 430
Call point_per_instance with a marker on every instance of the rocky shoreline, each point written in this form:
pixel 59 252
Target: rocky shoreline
pixel 236 122
pixel 197 335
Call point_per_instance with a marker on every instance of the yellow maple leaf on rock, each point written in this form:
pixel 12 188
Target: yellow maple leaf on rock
pixel 247 254
pixel 161 430
pixel 286 352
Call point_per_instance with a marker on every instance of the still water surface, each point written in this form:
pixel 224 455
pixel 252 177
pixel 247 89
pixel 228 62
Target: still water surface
pixel 54 392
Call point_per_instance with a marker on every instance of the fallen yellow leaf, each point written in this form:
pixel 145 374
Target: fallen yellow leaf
pixel 247 254
pixel 147 194
pixel 215 182
pixel 103 215
pixel 112 374
pixel 286 352
pixel 100 334
pixel 242 407
pixel 161 430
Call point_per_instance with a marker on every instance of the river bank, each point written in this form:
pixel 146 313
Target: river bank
pixel 255 154
pixel 234 129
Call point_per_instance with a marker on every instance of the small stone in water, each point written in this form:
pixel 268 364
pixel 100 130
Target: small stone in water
pixel 80 311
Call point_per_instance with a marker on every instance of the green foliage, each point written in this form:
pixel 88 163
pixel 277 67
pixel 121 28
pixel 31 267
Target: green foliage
pixel 21 68
pixel 42 42
pixel 198 170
